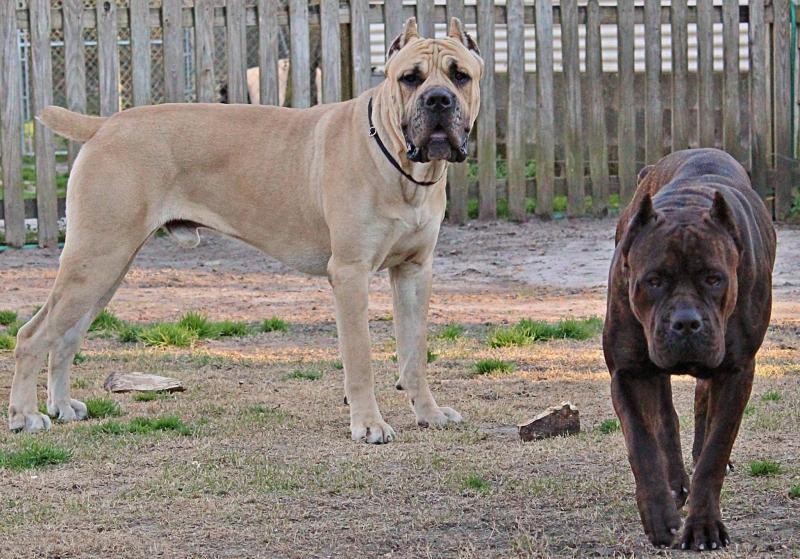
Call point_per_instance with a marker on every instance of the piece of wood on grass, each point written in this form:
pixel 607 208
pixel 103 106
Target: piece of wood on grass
pixel 141 382
pixel 559 420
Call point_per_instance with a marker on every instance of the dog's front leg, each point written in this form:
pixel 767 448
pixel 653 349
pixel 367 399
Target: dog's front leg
pixel 411 291
pixel 350 292
pixel 727 397
pixel 637 401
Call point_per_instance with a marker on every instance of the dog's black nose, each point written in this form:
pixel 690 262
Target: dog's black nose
pixel 438 99
pixel 685 322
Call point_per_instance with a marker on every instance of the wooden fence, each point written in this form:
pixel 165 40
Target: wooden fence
pixel 586 132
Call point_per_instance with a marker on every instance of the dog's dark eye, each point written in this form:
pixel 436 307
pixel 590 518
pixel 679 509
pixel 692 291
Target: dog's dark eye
pixel 411 79
pixel 655 281
pixel 460 77
pixel 713 280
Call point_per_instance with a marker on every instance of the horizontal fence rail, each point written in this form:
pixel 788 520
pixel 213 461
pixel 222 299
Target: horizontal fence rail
pixel 577 96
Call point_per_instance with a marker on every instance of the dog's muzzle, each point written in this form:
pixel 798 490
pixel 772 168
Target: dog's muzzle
pixel 435 131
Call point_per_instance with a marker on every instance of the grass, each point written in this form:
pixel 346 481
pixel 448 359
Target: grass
pixel 167 334
pixel 608 426
pixel 338 365
pixel 33 454
pixel 771 396
pixel 274 324
pixel 451 332
pixel 527 331
pixel 79 358
pixel 7 341
pixel 749 410
pixel 489 366
pixel 477 483
pixel 304 374
pixel 102 407
pixel 760 468
pixel 794 491
pixel 143 426
pixel 7 318
pixel 106 321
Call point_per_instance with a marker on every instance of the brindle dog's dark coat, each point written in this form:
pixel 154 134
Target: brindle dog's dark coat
pixel 689 293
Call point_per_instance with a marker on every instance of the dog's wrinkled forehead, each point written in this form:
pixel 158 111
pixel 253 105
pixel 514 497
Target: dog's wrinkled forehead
pixel 411 52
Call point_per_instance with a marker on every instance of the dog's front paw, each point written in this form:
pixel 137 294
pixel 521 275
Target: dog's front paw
pixel 437 417
pixel 704 533
pixel 28 422
pixel 374 431
pixel 74 410
pixel 661 521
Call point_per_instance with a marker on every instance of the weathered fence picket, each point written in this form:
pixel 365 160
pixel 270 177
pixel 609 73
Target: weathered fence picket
pixel 74 65
pixel 626 125
pixel 42 79
pixel 487 130
pixel 10 125
pixel 140 48
pixel 596 136
pixel 575 109
pixel 458 195
pixel 515 145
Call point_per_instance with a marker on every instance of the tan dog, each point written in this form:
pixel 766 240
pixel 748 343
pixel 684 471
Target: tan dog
pixel 341 190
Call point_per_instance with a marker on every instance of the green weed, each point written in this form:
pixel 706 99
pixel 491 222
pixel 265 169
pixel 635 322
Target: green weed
pixel 274 324
pixel 7 318
pixel 451 332
pixel 489 366
pixel 143 426
pixel 102 407
pixel 608 426
pixel 771 396
pixel 304 374
pixel 33 454
pixel 477 483
pixel 764 468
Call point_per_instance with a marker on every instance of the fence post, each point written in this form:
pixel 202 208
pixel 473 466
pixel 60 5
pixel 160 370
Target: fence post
pixel 730 95
pixel 515 143
pixel 545 152
pixel 140 50
pixel 487 132
pixel 11 127
pixel 359 34
pixel 205 84
pixel 42 80
pixel 299 55
pixel 759 101
pixel 573 139
pixel 75 65
pixel 626 126
pixel 237 58
pixel 425 18
pixel 108 57
pixel 782 127
pixel 331 57
pixel 705 73
pixel 680 55
pixel 457 173
pixel 268 52
pixel 172 36
pixel 653 115
pixel 393 21
pixel 598 150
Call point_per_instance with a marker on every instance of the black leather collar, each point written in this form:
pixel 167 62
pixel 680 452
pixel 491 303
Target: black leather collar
pixel 374 133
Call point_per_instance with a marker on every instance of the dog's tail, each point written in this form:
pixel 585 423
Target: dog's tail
pixel 74 126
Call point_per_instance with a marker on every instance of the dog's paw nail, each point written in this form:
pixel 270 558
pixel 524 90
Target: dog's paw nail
pixel 713 545
pixel 683 545
pixel 423 423
pixel 701 547
pixel 673 531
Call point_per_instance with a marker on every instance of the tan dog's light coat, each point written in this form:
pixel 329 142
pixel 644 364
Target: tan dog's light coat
pixel 308 187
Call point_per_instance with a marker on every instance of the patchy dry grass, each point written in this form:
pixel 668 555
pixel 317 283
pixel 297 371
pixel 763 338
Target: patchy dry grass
pixel 254 458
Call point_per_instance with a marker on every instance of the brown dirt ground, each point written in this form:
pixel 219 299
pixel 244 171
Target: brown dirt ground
pixel 290 483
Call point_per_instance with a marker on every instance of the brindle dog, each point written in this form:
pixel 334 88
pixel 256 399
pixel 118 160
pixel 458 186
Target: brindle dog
pixel 689 293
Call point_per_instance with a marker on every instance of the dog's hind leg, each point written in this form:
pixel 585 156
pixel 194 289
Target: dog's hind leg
pixel 91 269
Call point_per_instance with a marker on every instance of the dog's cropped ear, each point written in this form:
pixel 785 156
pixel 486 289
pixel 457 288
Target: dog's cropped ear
pixel 456 31
pixel 410 31
pixel 720 213
pixel 643 216
pixel 643 173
